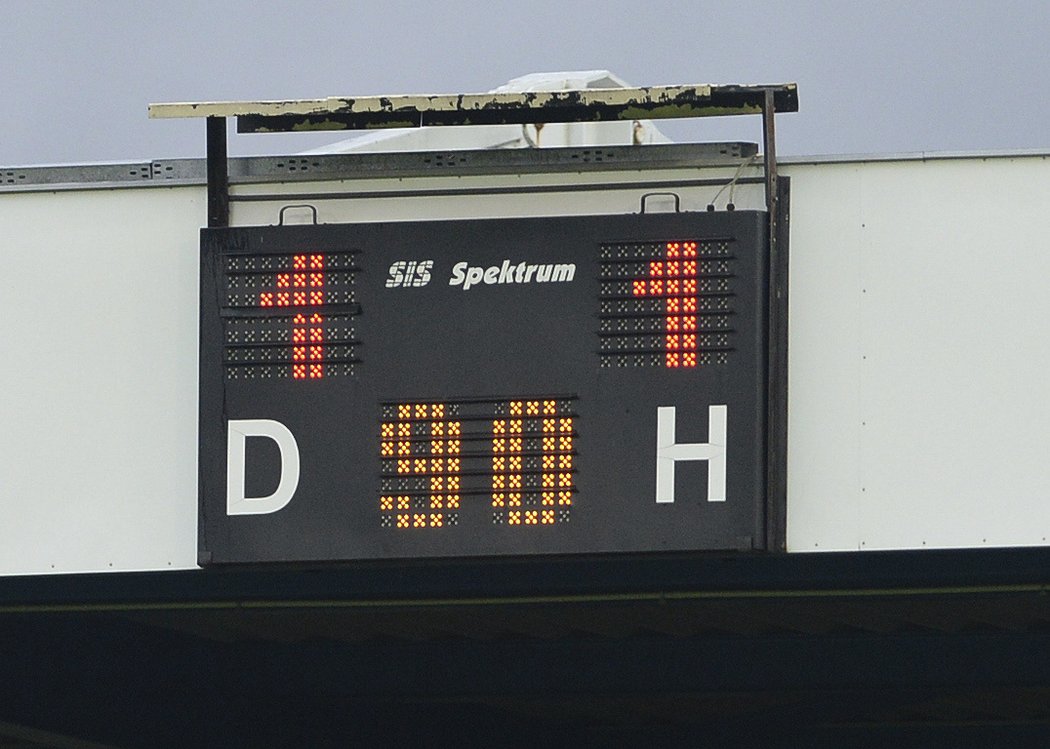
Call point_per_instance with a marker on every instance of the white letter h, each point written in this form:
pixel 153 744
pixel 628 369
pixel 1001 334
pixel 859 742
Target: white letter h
pixel 668 452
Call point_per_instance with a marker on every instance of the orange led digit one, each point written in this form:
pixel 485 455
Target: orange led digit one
pixel 675 281
pixel 299 289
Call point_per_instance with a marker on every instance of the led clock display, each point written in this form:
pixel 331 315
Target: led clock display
pixel 441 459
pixel 575 385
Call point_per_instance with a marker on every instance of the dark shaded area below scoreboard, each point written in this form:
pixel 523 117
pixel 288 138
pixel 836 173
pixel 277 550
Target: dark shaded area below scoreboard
pixel 914 649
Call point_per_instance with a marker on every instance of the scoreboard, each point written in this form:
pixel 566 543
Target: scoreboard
pixel 570 385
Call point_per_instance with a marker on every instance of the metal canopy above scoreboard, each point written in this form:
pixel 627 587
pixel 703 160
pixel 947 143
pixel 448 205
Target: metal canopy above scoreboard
pixel 575 105
pixel 579 105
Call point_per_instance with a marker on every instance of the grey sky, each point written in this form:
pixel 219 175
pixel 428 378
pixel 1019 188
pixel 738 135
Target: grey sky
pixel 873 77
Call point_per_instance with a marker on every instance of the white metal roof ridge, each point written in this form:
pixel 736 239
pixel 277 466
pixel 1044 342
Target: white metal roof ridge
pixel 861 158
pixel 563 79
pixel 511 135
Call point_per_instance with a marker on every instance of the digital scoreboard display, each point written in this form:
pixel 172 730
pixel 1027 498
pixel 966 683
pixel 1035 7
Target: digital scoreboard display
pixel 571 385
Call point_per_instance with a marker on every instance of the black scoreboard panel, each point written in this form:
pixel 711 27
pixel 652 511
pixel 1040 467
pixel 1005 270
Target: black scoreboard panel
pixel 588 384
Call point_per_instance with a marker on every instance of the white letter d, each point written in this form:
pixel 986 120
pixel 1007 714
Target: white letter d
pixel 239 431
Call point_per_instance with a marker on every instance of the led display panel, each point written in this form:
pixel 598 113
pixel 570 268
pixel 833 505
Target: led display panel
pixel 570 385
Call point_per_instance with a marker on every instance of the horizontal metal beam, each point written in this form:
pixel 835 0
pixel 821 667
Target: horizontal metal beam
pixel 919 573
pixel 583 105
pixel 517 189
pixel 246 170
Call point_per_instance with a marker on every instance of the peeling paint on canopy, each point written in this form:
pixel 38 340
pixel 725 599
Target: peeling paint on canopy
pixel 578 105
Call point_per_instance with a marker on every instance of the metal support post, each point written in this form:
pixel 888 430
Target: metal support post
pixel 218 174
pixel 776 430
pixel 769 154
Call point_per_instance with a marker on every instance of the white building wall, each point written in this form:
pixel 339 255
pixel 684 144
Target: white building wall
pixel 918 412
pixel 98 379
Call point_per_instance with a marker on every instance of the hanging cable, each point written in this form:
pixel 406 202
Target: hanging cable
pixel 731 184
